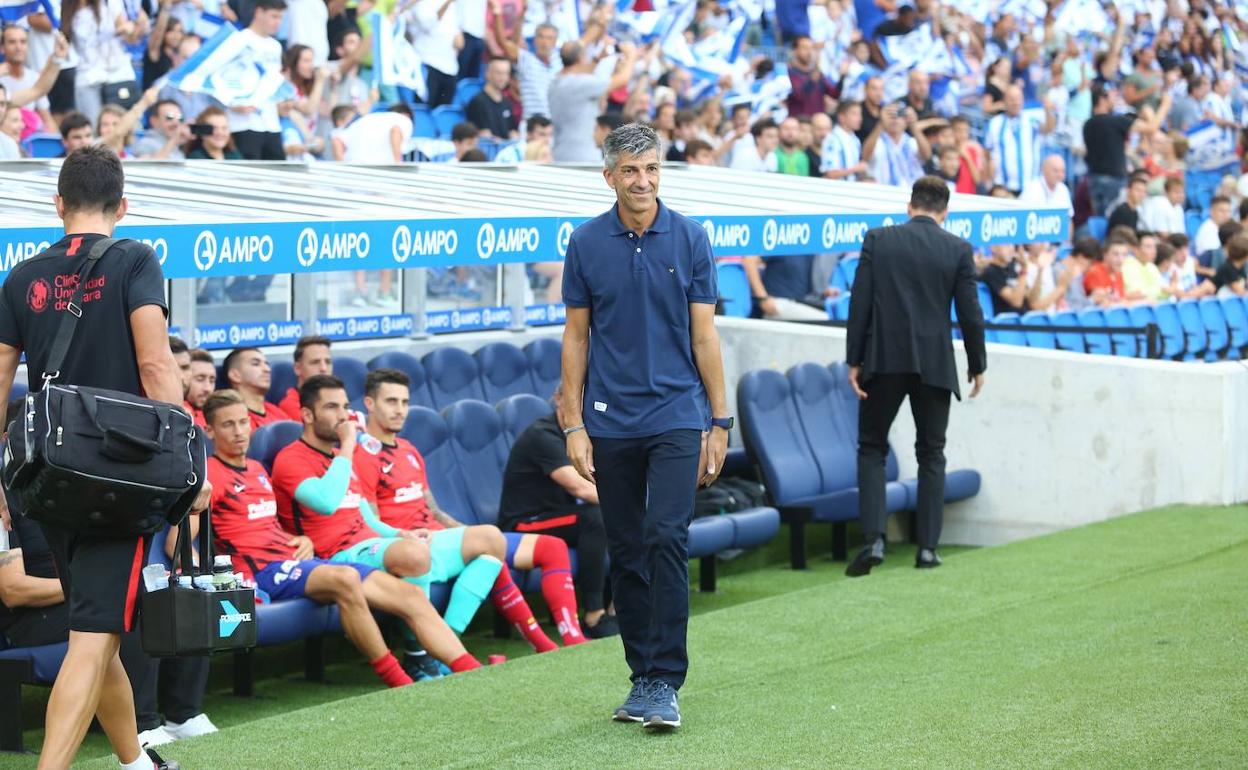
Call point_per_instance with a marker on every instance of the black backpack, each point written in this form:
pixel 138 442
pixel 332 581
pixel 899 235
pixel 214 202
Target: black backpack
pixel 728 496
pixel 97 461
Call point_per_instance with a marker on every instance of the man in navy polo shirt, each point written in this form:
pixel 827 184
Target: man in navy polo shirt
pixel 644 382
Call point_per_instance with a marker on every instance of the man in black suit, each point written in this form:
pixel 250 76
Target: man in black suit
pixel 900 344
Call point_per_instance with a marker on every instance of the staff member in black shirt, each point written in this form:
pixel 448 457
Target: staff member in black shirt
pixel 490 110
pixel 122 344
pixel 1105 136
pixel 543 494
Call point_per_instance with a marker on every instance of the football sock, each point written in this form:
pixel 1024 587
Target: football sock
pixel 510 602
pixel 551 555
pixel 464 663
pixel 471 588
pixel 388 668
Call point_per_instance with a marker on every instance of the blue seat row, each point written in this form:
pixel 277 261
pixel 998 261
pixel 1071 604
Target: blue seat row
pixel 1209 329
pixel 801 428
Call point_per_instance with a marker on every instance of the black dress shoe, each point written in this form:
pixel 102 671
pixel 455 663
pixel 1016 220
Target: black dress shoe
pixel 926 559
pixel 868 557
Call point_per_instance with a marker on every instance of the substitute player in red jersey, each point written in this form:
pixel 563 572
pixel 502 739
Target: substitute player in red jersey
pixel 392 476
pixel 311 357
pixel 202 382
pixel 247 371
pixel 282 565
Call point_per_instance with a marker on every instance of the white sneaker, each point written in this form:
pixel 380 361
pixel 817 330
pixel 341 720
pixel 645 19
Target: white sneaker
pixel 157 736
pixel 191 728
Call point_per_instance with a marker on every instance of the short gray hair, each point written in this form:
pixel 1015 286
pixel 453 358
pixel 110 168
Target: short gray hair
pixel 629 139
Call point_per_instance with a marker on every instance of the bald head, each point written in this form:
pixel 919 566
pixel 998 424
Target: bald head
pixel 1054 170
pixel 571 53
pixel 1013 101
pixel 920 84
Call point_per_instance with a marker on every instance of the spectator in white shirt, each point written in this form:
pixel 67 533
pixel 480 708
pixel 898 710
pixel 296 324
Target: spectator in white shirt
pixel 1163 214
pixel 99 31
pixel 535 69
pixel 168 134
pixel 11 124
pixel 1049 190
pixel 309 25
pixel 257 131
pixel 374 138
pixel 1207 236
pixel 841 153
pixel 766 136
pixel 1217 107
pixel 438 40
pixel 1013 138
pixel 16 76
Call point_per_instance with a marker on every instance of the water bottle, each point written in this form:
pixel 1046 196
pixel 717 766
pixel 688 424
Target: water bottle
pixel 184 581
pixel 204 582
pixel 223 573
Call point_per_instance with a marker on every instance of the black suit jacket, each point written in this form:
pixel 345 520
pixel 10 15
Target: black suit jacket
pixel 899 310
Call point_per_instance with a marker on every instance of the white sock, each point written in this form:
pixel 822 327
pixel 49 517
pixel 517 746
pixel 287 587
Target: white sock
pixel 143 762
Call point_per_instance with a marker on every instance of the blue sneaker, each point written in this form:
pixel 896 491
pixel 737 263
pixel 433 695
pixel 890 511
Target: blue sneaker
pixel 634 707
pixel 662 712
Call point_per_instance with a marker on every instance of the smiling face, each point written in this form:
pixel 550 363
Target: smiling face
pixel 11 123
pixel 635 179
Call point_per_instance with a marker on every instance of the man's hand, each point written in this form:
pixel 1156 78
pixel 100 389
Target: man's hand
pixel 421 534
pixel 715 447
pixel 201 500
pixel 768 306
pixel 977 383
pixel 581 452
pixel 854 373
pixel 346 438
pixel 303 547
pixel 6 520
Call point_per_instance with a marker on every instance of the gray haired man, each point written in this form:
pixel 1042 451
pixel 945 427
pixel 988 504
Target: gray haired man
pixel 644 405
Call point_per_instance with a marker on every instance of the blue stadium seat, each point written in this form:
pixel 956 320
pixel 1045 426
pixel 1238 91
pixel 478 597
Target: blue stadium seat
pixel 984 294
pixel 1236 313
pixel 453 376
pixel 1193 329
pixel 19 391
pixel 1014 336
pixel 1173 339
pixel 843 276
pixel 1142 315
pixel 352 372
pixel 271 439
pixel 1216 326
pixel 1072 341
pixel 1125 343
pixel 708 535
pixel 753 527
pixel 1098 227
pixel 466 89
pixel 545 365
pixel 44 145
pixel 423 125
pixel 504 371
pixel 23 666
pixel 1094 318
pixel 281 380
pixel 1039 338
pixel 44 664
pixel 428 432
pixel 415 371
pixel 520 411
pixel 838 307
pixel 477 441
pixel 1192 220
pixel 734 289
pixel 446 118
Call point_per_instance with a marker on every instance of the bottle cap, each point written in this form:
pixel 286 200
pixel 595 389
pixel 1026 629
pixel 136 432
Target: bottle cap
pixel 222 562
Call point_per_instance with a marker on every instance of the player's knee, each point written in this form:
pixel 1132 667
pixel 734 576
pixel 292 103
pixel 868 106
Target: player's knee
pixel 485 540
pixel 412 558
pixel 344 583
pixel 96 647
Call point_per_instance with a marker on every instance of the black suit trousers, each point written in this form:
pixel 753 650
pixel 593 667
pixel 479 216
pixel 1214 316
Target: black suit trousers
pixel 930 407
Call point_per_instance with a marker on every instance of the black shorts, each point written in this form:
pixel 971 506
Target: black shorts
pixel 61 97
pixel 37 626
pixel 100 578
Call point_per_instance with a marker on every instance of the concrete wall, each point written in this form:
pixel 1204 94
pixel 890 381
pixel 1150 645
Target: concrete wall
pixel 1061 439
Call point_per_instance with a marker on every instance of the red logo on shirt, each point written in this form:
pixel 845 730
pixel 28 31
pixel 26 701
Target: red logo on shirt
pixel 37 295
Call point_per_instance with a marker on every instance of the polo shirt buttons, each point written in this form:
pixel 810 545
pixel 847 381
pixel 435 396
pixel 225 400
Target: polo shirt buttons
pixel 638 251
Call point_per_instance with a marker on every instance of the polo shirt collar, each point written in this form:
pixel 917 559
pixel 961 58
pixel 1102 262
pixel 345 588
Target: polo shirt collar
pixel 662 223
pixel 923 218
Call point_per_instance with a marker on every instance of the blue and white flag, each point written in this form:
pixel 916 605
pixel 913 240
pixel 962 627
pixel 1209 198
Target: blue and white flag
pixel 208 25
pixel 1081 17
pixel 232 70
pixel 395 61
pixel 765 97
pixel 1208 148
pixel 564 15
pixel 15 10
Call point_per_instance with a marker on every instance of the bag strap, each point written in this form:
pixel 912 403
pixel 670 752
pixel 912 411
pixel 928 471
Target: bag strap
pixel 69 320
pixel 182 549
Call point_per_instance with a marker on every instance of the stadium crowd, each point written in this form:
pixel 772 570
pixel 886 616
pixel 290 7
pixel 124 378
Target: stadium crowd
pixel 345 516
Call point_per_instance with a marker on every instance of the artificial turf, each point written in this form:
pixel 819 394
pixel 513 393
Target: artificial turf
pixel 1116 645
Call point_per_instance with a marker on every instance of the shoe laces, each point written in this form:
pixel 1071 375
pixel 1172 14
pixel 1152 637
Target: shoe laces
pixel 659 692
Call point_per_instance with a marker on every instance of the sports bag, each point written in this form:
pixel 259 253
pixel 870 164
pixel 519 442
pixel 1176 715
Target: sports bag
pixel 97 461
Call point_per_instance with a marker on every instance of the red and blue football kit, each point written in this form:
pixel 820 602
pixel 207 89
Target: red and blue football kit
pixel 244 516
pixel 330 534
pixel 395 479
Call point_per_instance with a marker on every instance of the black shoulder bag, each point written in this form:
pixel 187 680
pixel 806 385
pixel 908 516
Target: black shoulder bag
pixel 96 461
pixel 181 620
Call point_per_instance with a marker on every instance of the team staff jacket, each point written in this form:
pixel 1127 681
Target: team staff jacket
pixel 244 516
pixel 393 475
pixel 319 495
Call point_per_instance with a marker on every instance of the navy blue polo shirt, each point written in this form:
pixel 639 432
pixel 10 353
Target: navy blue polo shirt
pixel 642 380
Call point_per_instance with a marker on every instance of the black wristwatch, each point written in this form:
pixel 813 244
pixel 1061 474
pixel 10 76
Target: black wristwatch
pixel 723 422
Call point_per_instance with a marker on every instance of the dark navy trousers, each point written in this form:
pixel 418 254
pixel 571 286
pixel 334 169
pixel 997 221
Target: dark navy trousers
pixel 646 490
